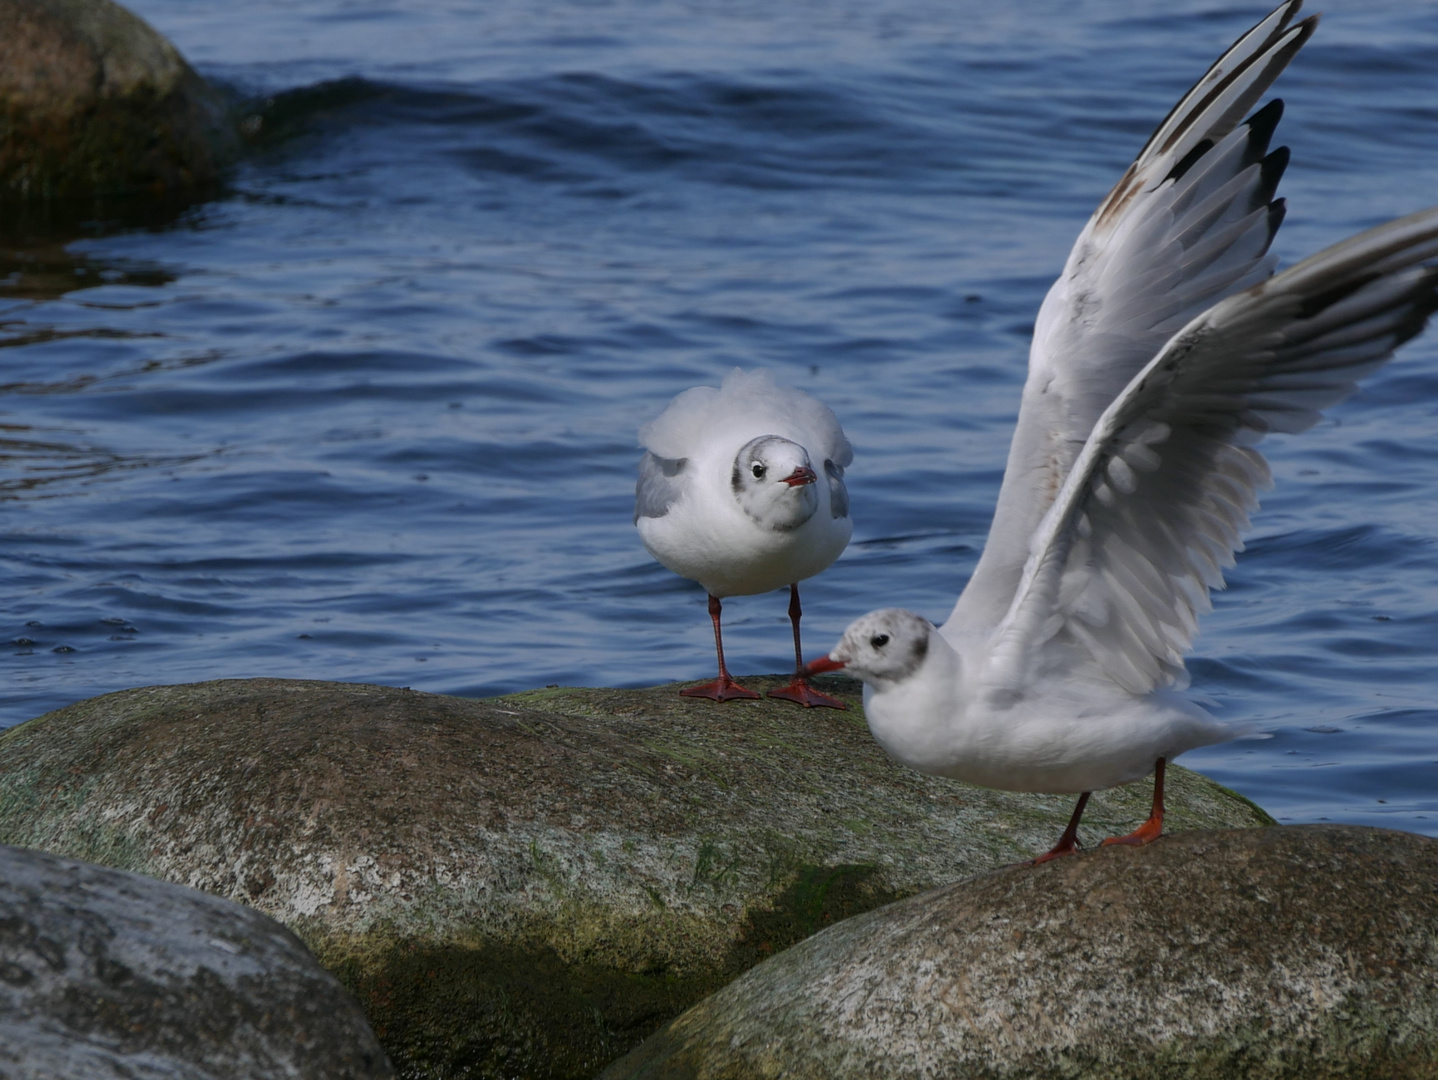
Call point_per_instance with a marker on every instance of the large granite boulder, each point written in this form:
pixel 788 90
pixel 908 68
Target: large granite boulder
pixel 93 101
pixel 1299 953
pixel 528 885
pixel 106 975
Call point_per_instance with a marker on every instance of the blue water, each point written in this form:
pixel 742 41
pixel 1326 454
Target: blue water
pixel 370 413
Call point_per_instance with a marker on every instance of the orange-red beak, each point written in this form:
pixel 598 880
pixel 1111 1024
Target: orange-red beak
pixel 821 665
pixel 802 475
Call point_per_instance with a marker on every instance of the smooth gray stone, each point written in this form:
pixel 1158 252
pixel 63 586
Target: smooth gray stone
pixel 106 974
pixel 1298 953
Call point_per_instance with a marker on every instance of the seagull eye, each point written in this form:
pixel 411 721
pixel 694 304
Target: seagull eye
pixel 758 470
pixel 879 640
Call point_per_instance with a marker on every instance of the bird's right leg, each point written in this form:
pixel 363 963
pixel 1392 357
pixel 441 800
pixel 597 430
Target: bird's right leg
pixel 1151 829
pixel 723 688
pixel 799 689
pixel 1068 843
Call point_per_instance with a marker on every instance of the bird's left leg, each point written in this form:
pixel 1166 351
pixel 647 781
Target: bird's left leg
pixel 799 690
pixel 1149 831
pixel 1068 843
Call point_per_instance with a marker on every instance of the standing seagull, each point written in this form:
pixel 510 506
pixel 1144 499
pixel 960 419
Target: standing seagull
pixel 1164 352
pixel 742 489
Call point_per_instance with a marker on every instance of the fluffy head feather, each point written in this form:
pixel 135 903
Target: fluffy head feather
pixel 748 404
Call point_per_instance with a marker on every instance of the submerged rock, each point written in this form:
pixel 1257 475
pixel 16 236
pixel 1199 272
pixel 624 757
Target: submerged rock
pixel 106 975
pixel 1297 953
pixel 94 101
pixel 530 884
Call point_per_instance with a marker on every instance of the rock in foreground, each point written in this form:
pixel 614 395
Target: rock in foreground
pixel 107 975
pixel 1299 953
pixel 533 884
pixel 93 101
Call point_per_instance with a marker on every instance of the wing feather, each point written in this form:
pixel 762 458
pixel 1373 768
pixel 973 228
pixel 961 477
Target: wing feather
pixel 1126 556
pixel 1189 223
pixel 661 483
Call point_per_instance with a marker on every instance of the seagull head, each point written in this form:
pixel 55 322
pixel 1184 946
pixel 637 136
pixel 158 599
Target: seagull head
pixel 773 482
pixel 882 648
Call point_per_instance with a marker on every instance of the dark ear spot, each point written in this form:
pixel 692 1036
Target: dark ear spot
pixel 921 649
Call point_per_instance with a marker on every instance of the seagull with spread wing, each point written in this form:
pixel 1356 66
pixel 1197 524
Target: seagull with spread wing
pixel 1166 350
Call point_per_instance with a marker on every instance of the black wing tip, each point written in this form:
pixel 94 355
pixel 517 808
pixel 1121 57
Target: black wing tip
pixel 1421 300
pixel 1270 54
pixel 1289 8
pixel 1189 159
pixel 1281 55
pixel 1270 172
pixel 1309 25
pixel 1319 302
pixel 1277 211
pixel 1261 126
pixel 1424 298
pixel 1305 26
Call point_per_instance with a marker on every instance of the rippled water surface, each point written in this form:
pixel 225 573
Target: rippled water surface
pixel 369 413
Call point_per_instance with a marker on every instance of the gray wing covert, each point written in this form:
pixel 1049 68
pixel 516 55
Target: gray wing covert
pixel 838 493
pixel 661 483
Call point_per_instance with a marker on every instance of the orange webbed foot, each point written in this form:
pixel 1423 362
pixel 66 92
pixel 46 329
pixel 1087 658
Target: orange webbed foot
pixel 720 689
pixel 801 692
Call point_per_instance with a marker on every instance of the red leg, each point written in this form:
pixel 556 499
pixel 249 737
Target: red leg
pixel 723 688
pixel 799 690
pixel 1068 843
pixel 1150 830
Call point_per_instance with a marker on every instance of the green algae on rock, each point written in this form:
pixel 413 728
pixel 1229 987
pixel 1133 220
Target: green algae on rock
pixel 94 101
pixel 1286 953
pixel 528 885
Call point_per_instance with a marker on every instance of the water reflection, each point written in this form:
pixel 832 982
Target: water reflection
pixel 31 463
pixel 39 264
pixel 57 221
pixel 44 269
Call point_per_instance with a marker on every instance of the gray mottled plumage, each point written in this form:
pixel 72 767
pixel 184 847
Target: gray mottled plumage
pixel 661 482
pixel 838 493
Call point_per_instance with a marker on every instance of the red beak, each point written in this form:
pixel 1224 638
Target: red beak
pixel 821 665
pixel 802 475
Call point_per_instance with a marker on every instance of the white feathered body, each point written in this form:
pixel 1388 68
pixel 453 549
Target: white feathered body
pixel 704 533
pixel 1063 734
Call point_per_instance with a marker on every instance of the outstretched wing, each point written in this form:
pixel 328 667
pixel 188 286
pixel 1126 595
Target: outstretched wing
pixel 1189 223
pixel 1152 511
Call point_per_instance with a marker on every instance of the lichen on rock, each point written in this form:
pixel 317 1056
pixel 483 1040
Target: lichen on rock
pixel 529 884
pixel 1294 953
pixel 106 975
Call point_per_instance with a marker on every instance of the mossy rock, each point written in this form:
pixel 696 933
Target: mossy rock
pixel 1287 953
pixel 528 885
pixel 94 102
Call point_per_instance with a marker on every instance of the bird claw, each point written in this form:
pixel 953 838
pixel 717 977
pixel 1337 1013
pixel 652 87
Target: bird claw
pixel 801 692
pixel 1058 851
pixel 1146 833
pixel 720 689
